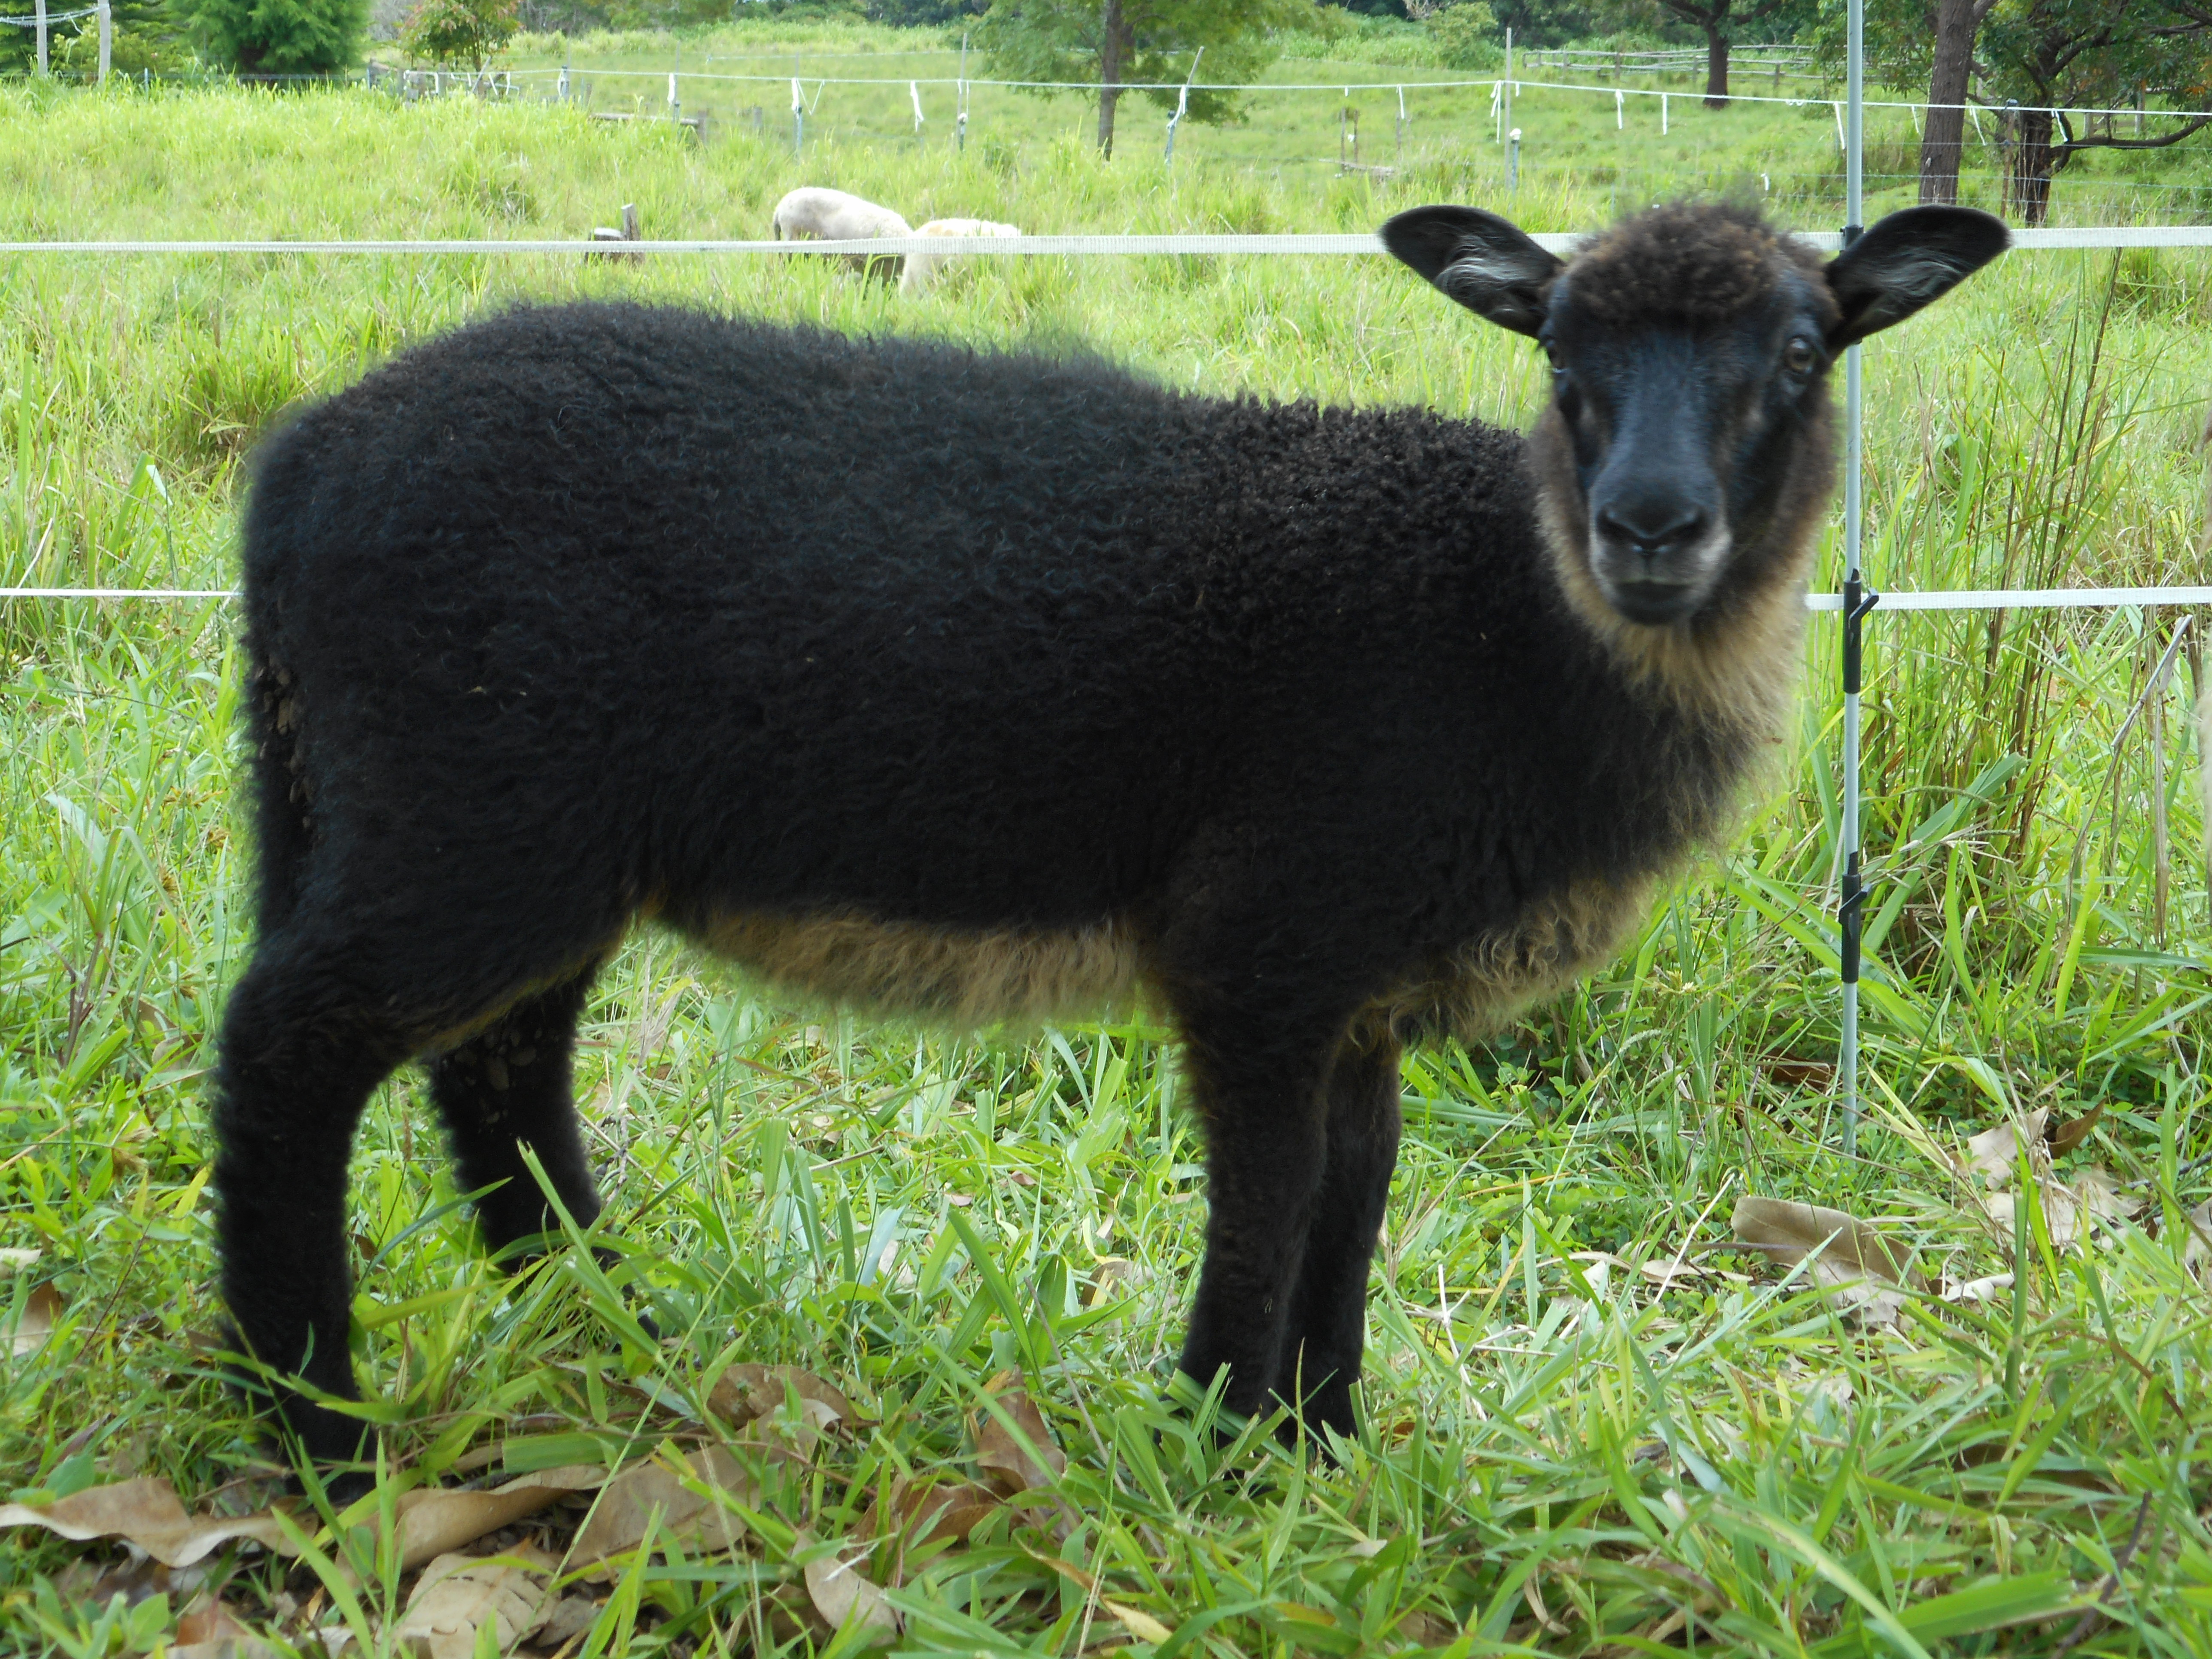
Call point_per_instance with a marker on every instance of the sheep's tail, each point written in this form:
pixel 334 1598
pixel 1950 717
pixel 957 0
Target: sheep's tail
pixel 271 705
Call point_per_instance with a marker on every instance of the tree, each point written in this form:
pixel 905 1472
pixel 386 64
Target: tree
pixel 1949 79
pixel 1718 18
pixel 2049 57
pixel 1112 43
pixel 278 37
pixel 1723 22
pixel 469 32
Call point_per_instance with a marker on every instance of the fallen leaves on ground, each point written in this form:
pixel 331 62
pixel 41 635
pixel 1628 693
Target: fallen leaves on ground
pixel 434 1521
pixel 664 1495
pixel 2067 1210
pixel 145 1513
pixel 1009 1466
pixel 210 1630
pixel 1139 1623
pixel 843 1594
pixel 747 1391
pixel 2197 1250
pixel 458 1597
pixel 1975 1290
pixel 42 1311
pixel 1994 1154
pixel 1113 1276
pixel 1846 1255
pixel 925 1511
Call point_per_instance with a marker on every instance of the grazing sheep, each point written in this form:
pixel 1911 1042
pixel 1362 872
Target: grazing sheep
pixel 814 213
pixel 921 269
pixel 1325 728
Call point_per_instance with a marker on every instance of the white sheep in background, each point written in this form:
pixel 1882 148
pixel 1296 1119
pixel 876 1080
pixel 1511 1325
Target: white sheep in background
pixel 815 213
pixel 921 269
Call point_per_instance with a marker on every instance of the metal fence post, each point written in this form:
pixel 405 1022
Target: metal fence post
pixel 1858 601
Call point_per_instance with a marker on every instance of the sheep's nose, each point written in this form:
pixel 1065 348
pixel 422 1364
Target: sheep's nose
pixel 1652 526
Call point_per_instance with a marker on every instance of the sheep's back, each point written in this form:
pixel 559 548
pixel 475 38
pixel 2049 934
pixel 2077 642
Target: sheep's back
pixel 695 575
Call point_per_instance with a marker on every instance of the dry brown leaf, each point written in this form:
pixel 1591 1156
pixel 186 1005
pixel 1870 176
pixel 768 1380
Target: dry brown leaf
pixel 571 1617
pixel 2067 1210
pixel 632 1500
pixel 144 1512
pixel 42 1310
pixel 790 1434
pixel 1113 1276
pixel 1007 1465
pixel 746 1391
pixel 434 1522
pixel 842 1592
pixel 1139 1623
pixel 2065 1137
pixel 1426 1629
pixel 2197 1251
pixel 1792 1073
pixel 209 1629
pixel 926 1510
pixel 1977 1290
pixel 460 1596
pixel 1995 1153
pixel 1847 1255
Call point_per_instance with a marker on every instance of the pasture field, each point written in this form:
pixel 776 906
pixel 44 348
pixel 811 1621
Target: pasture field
pixel 856 81
pixel 1590 1426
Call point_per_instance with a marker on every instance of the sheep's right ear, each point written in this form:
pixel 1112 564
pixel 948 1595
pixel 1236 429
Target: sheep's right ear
pixel 1484 262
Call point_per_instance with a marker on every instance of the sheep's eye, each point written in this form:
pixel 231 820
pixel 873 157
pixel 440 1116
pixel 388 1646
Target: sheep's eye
pixel 1798 355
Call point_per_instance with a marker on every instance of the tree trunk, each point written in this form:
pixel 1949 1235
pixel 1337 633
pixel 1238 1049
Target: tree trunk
pixel 1717 51
pixel 1941 143
pixel 2028 187
pixel 1109 76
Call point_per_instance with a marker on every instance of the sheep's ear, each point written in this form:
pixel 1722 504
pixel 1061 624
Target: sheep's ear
pixel 1906 261
pixel 1482 261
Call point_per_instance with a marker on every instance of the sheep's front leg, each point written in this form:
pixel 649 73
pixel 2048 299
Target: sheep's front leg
pixel 1326 1329
pixel 1266 1155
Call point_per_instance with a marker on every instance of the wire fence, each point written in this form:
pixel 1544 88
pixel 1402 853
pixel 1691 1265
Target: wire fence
pixel 1852 605
pixel 1540 128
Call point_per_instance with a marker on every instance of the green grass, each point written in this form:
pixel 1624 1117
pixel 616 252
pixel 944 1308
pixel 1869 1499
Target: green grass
pixel 1558 1458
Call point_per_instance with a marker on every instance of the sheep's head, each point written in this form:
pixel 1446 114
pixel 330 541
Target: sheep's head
pixel 1686 449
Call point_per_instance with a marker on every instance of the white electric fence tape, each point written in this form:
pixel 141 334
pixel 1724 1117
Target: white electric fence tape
pixel 1359 242
pixel 1963 598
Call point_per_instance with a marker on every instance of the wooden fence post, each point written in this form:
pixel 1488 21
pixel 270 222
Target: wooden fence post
pixel 106 39
pixel 41 11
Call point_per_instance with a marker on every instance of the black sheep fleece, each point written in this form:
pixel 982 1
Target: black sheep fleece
pixel 967 685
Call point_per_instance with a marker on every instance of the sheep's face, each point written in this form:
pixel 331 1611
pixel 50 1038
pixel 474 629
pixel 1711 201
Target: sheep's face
pixel 1686 454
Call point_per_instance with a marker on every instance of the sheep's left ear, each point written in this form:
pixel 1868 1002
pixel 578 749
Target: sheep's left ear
pixel 1906 261
pixel 1482 261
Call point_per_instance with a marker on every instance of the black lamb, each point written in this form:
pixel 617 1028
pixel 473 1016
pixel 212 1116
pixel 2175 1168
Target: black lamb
pixel 985 687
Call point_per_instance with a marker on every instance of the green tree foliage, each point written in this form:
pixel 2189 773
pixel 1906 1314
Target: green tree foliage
pixel 143 39
pixel 468 33
pixel 1112 43
pixel 278 37
pixel 1465 34
pixel 2050 58
pixel 2053 55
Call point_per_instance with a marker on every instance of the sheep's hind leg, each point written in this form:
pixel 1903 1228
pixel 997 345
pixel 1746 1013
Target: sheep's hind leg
pixel 310 1030
pixel 1326 1332
pixel 507 1087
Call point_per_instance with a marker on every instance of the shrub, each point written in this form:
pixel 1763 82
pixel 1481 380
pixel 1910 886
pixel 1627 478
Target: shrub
pixel 468 33
pixel 278 37
pixel 1466 35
